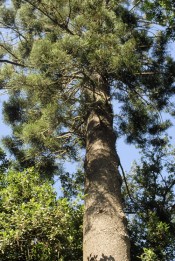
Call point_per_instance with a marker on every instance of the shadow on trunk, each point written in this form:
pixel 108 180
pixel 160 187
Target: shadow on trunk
pixel 102 258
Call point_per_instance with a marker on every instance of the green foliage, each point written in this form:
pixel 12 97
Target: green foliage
pixel 44 163
pixel 34 224
pixel 148 255
pixel 162 12
pixel 4 162
pixel 72 183
pixel 152 204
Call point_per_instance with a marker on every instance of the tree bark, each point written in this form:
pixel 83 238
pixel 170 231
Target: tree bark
pixel 105 232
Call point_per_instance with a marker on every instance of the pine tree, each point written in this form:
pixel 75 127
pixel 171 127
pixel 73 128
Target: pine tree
pixel 66 61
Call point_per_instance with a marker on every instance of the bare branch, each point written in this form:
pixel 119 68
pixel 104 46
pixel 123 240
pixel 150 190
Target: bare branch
pixel 9 51
pixel 11 62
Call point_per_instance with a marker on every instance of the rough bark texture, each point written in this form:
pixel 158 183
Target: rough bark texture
pixel 105 233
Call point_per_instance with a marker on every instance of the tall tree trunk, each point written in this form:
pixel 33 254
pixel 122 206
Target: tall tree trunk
pixel 105 232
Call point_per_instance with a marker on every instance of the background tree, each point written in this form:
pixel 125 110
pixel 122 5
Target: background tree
pixel 66 61
pixel 34 224
pixel 151 203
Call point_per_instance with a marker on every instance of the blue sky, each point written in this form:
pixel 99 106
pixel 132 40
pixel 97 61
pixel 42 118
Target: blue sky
pixel 4 129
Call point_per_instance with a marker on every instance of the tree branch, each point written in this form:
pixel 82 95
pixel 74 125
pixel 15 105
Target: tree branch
pixel 11 62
